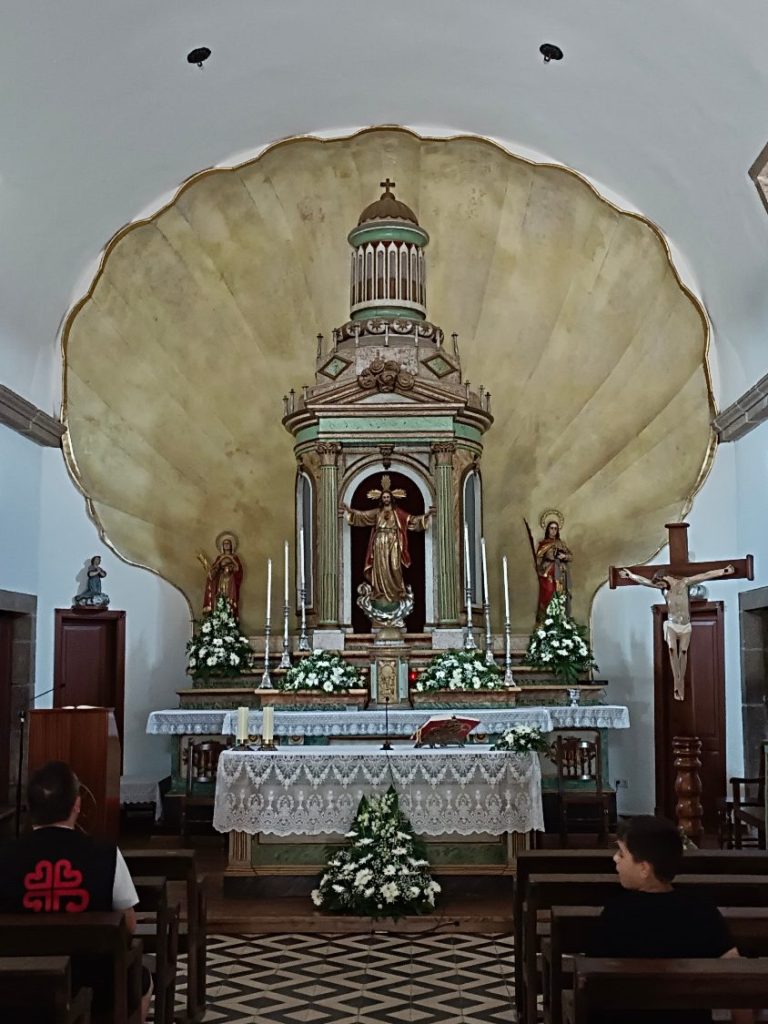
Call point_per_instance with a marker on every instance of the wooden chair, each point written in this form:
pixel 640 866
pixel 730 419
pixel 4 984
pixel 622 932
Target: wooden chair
pixel 37 989
pixel 578 759
pixel 92 935
pixel 179 866
pixel 158 929
pixel 606 987
pixel 747 809
pixel 202 757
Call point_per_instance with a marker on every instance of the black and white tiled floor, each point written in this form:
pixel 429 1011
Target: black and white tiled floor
pixel 358 979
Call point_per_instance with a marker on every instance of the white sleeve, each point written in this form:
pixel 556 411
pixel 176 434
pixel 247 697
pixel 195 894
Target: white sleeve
pixel 124 893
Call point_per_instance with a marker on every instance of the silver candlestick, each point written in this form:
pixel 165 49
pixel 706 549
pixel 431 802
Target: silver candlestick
pixel 303 638
pixel 489 659
pixel 469 638
pixel 509 679
pixel 266 681
pixel 285 661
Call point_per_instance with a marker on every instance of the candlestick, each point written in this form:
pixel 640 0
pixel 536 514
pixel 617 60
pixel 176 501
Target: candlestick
pixel 285 660
pixel 486 599
pixel 242 726
pixel 489 659
pixel 285 572
pixel 269 591
pixel 303 582
pixel 509 679
pixel 469 639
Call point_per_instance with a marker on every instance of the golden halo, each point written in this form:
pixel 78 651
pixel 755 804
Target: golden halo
pixel 224 535
pixel 552 515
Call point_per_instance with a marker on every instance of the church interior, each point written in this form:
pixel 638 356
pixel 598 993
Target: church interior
pixel 383 401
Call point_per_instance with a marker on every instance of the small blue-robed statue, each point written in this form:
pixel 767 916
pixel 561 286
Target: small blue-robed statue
pixel 92 596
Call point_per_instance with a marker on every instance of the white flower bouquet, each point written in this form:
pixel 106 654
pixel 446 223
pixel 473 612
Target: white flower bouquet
pixel 321 672
pixel 383 872
pixel 560 644
pixel 218 648
pixel 522 738
pixel 459 670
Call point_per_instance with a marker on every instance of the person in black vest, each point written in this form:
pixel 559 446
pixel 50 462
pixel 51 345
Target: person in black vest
pixel 649 918
pixel 57 869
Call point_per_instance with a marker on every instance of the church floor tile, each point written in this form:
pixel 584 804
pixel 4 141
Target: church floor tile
pixel 357 979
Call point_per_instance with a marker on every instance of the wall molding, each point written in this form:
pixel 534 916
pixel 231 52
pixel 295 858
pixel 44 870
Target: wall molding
pixel 29 421
pixel 744 414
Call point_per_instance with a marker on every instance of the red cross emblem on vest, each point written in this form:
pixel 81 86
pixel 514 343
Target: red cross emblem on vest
pixel 55 886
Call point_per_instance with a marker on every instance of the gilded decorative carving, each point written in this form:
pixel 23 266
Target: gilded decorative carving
pixel 385 375
pixel 328 451
pixel 386 681
pixel 383 326
pixel 201 317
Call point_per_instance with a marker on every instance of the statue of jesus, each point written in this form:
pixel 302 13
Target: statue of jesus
pixel 677 627
pixel 387 553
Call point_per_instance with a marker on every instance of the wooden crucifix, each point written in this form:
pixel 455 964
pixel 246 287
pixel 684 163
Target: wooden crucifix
pixel 673 579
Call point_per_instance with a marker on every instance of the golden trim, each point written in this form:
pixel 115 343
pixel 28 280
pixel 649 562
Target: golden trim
pixel 71 316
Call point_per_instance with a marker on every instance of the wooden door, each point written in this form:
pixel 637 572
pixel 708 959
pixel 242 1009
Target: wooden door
pixel 6 653
pixel 701 714
pixel 89 661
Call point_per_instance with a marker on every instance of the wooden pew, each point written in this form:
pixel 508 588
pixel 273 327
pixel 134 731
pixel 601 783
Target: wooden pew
pixel 754 862
pixel 39 988
pixel 548 890
pixel 179 866
pixel 610 985
pixel 158 929
pixel 83 935
pixel 570 934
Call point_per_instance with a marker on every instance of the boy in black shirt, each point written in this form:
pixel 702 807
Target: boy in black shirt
pixel 649 918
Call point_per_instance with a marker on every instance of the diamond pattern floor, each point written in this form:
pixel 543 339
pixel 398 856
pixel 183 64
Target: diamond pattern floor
pixel 358 979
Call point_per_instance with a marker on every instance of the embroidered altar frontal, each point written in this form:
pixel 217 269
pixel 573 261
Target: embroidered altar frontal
pixel 286 811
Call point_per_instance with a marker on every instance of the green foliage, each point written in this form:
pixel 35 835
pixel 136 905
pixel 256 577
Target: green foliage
pixel 459 670
pixel 218 648
pixel 321 672
pixel 560 644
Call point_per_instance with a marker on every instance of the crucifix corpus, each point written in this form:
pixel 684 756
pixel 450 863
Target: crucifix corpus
pixel 673 579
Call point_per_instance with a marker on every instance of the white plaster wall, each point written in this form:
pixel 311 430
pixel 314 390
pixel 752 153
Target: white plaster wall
pixel 157 618
pixel 20 470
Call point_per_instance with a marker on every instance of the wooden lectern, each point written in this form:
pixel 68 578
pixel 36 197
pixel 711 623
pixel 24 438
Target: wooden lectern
pixel 86 738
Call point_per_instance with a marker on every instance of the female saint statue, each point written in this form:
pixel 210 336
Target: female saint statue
pixel 387 553
pixel 551 557
pixel 92 597
pixel 224 577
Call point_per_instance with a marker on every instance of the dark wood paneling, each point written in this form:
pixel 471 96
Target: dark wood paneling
pixel 87 740
pixel 89 660
pixel 701 714
pixel 6 663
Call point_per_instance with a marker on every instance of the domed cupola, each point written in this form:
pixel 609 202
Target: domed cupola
pixel 388 268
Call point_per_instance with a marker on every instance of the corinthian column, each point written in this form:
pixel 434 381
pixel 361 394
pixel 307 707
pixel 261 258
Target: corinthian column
pixel 447 581
pixel 328 536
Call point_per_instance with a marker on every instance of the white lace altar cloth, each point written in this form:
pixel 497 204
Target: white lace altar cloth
pixel 180 722
pixel 316 790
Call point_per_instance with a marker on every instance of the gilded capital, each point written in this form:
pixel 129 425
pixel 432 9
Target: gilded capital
pixel 328 451
pixel 444 452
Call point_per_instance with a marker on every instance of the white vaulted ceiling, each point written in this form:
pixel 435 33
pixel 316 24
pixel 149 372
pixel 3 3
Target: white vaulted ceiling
pixel 661 103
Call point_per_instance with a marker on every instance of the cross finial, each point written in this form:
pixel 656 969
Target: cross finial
pixel 387 185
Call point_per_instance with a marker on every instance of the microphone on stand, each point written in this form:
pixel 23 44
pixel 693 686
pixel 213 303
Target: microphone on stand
pixel 386 745
pixel 20 766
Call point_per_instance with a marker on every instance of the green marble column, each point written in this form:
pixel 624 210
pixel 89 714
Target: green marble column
pixel 445 549
pixel 328 536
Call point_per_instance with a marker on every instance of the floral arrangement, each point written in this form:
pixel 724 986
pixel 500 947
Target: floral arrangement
pixel 560 644
pixel 218 648
pixel 460 670
pixel 383 871
pixel 323 672
pixel 522 738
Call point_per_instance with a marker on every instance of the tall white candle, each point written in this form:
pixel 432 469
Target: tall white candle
pixel 506 588
pixel 301 558
pixel 285 573
pixel 242 725
pixel 267 724
pixel 485 572
pixel 467 570
pixel 269 590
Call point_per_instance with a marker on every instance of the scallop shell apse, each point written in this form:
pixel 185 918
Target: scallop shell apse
pixel 568 309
